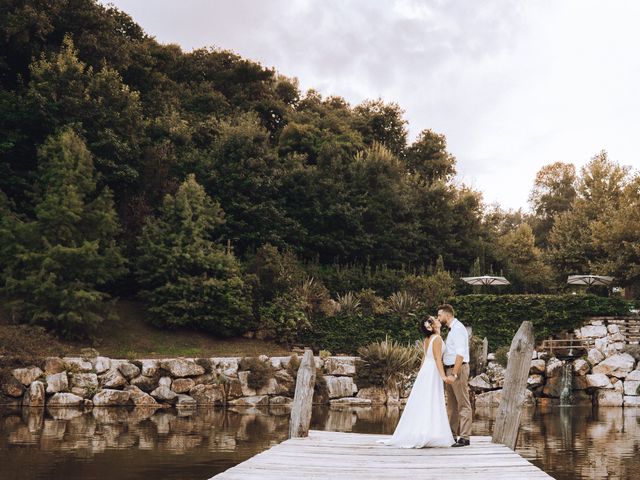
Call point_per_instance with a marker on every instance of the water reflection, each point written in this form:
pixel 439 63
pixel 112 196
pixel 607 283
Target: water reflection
pixel 568 443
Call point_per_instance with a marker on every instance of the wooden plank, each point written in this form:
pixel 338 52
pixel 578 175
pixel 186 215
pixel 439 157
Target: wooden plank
pixel 507 423
pixel 350 456
pixel 303 397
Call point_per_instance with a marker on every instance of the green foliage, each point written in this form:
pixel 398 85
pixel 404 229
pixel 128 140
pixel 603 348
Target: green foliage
pixel 498 317
pixel 63 258
pixel 501 355
pixel 284 318
pixel 259 372
pixel 383 363
pixel 188 279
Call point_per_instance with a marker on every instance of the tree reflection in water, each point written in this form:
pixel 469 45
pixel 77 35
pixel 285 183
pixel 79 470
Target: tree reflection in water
pixel 567 442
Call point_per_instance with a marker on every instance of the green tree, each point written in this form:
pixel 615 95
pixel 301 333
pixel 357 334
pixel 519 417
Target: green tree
pixel 428 157
pixel 188 278
pixel 63 258
pixel 382 123
pixel 554 190
pixel 524 263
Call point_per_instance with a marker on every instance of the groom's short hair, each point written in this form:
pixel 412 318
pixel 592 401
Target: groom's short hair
pixel 447 308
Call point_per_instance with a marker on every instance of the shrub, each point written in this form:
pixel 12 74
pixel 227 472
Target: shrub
pixel 402 304
pixel 284 319
pixel 432 290
pixel 259 372
pixel 384 363
pixel 498 317
pixel 349 303
pixel 370 303
pixel 502 355
pixel 320 385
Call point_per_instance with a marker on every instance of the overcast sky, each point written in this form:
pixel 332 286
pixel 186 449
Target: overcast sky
pixel 514 85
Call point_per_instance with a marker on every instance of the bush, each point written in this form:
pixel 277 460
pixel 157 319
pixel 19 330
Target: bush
pixel 498 317
pixel 284 319
pixel 384 363
pixel 259 372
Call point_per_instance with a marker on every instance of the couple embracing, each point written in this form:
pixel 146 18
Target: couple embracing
pixel 425 421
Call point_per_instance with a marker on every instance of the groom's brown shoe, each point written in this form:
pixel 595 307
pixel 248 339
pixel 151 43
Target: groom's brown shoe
pixel 462 442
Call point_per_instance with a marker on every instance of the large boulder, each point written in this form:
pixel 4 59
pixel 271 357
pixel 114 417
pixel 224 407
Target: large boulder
pixel 113 379
pixel 102 365
pixel 595 356
pixel 54 365
pixel 608 398
pixel 280 401
pixel 339 386
pixel 77 364
pixel 496 372
pixel 207 394
pixel 129 370
pixel 377 395
pixel 144 383
pixel 182 367
pixel 617 365
pixel 57 382
pixel 12 387
pixel 149 368
pixel 631 387
pixel 631 401
pixel 252 401
pixel 286 383
pixel 27 375
pixel 165 394
pixel 109 398
pixel 581 367
pixel 65 400
pixel 340 366
pixel 139 398
pixel 493 399
pixel 271 388
pixel 182 385
pixel 535 380
pixel 34 396
pixel 247 391
pixel 554 367
pixel 234 388
pixel 593 331
pixel 227 366
pixel 84 384
pixel 537 367
pixel 598 380
pixel 481 383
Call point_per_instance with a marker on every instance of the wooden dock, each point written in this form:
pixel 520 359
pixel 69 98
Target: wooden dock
pixel 354 456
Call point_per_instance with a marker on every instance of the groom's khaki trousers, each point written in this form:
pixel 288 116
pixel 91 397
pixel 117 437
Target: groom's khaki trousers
pixel 458 403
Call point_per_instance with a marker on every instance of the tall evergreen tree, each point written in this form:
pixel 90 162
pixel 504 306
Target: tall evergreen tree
pixel 188 278
pixel 62 259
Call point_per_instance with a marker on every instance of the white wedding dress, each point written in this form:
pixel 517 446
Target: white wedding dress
pixel 424 422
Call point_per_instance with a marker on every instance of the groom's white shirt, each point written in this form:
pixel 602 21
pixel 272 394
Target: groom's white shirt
pixel 457 343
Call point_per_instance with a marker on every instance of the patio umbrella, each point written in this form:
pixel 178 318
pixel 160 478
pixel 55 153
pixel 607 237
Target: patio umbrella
pixel 486 280
pixel 589 280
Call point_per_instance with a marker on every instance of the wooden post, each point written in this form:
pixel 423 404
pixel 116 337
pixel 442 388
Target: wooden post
pixel 303 397
pixel 505 429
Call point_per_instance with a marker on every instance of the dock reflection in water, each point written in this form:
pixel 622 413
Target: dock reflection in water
pixel 568 443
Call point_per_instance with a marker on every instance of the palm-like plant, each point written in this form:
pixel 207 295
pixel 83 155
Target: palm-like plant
pixel 385 363
pixel 349 303
pixel 402 303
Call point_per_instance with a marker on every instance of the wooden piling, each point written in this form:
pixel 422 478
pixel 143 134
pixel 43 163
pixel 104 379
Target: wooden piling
pixel 507 422
pixel 303 397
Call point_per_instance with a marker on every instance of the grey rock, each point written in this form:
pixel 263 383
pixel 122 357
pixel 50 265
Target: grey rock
pixel 252 401
pixel 113 379
pixel 128 370
pixel 27 375
pixel 139 398
pixel 57 382
pixel 208 394
pixel 109 397
pixel 34 396
pixel 185 401
pixel 65 400
pixel 102 365
pixel 182 385
pixel 182 367
pixel 165 394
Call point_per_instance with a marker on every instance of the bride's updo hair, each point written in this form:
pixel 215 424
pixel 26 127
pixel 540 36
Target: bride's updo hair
pixel 428 329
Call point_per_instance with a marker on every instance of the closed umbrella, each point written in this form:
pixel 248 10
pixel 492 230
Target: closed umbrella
pixel 589 280
pixel 486 280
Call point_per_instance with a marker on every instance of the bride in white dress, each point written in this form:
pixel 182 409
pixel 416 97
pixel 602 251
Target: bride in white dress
pixel 424 422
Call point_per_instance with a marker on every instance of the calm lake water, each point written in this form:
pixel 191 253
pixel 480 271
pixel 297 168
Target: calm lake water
pixel 568 443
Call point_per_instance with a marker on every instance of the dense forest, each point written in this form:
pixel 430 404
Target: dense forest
pixel 227 199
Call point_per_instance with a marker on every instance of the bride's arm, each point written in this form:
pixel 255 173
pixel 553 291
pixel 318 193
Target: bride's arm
pixel 437 354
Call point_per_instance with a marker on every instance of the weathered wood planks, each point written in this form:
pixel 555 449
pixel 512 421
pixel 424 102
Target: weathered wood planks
pixel 352 456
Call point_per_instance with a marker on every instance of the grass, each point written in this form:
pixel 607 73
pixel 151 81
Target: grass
pixel 132 336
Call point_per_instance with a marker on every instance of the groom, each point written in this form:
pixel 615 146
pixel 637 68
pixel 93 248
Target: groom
pixel 456 364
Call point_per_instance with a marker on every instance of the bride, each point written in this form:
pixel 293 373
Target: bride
pixel 424 422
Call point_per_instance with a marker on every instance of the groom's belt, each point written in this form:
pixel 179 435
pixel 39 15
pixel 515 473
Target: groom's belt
pixel 451 366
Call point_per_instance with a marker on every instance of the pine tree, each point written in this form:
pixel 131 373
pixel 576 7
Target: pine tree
pixel 62 259
pixel 188 278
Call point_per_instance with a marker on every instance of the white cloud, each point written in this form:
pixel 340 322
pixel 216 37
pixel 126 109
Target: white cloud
pixel 514 85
